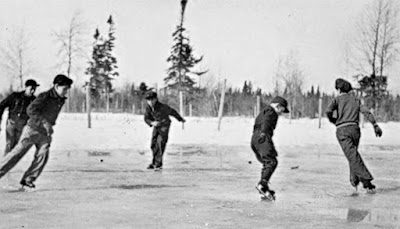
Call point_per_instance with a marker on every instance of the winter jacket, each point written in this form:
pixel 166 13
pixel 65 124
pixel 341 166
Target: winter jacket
pixel 348 108
pixel 17 104
pixel 160 113
pixel 45 109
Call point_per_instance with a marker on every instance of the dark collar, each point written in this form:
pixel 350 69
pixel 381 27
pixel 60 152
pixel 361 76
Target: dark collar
pixel 22 94
pixel 53 94
pixel 272 109
pixel 156 105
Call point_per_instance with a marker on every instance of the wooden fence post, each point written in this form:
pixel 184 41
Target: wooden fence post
pixel 221 105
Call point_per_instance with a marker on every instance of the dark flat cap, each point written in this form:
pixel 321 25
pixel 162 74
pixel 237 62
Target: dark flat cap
pixel 281 101
pixel 62 80
pixel 343 85
pixel 31 82
pixel 150 95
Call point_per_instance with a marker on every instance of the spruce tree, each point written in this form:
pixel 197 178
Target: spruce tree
pixel 103 65
pixel 181 60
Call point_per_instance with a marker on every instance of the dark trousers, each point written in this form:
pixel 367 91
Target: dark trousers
pixel 28 138
pixel 13 133
pixel 159 141
pixel 266 154
pixel 349 139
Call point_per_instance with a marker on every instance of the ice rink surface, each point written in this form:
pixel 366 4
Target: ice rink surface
pixel 97 178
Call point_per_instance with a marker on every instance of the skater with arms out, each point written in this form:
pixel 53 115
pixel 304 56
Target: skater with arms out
pixel 348 108
pixel 157 116
pixel 43 113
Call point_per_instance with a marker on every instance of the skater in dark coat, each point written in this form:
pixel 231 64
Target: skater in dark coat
pixel 157 116
pixel 262 144
pixel 43 113
pixel 17 103
pixel 348 108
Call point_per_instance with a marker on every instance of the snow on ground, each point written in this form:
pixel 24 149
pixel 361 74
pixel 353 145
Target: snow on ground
pixel 126 131
pixel 97 178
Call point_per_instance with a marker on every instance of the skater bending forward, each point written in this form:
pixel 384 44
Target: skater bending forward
pixel 263 146
pixel 43 113
pixel 348 108
pixel 157 116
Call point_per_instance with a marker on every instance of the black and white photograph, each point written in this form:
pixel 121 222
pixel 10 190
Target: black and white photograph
pixel 199 114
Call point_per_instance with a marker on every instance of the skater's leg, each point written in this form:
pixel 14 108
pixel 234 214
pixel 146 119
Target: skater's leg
pixel 354 180
pixel 348 139
pixel 256 153
pixel 39 161
pixel 269 166
pixel 13 133
pixel 11 140
pixel 161 145
pixel 154 146
pixel 268 157
pixel 11 159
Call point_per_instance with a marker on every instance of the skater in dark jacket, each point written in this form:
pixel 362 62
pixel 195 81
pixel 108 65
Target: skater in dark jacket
pixel 43 113
pixel 17 103
pixel 348 108
pixel 262 144
pixel 157 116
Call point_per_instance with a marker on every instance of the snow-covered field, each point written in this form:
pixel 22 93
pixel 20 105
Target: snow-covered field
pixel 96 178
pixel 126 131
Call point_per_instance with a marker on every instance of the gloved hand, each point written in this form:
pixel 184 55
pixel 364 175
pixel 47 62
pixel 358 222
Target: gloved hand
pixel 49 128
pixel 262 138
pixel 183 120
pixel 378 130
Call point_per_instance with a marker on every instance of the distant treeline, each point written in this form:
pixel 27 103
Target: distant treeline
pixel 205 102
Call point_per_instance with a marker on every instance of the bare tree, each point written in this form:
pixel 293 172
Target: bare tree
pixel 375 48
pixel 72 44
pixel 15 58
pixel 72 47
pixel 290 76
pixel 378 36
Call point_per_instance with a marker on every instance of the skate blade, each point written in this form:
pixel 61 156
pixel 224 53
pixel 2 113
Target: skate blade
pixel 268 198
pixel 371 191
pixel 26 189
pixel 355 192
pixel 265 196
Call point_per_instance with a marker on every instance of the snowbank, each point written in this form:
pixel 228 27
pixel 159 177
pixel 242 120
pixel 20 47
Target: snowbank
pixel 126 131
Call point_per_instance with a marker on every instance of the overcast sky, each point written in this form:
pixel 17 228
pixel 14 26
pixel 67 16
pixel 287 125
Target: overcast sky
pixel 240 39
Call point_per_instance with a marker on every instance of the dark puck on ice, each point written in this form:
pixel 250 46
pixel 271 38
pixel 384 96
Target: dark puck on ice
pixel 295 167
pixel 101 160
pixel 249 162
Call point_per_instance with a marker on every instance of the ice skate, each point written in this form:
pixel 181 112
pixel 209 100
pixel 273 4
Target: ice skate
pixel 159 168
pixel 370 189
pixel 265 193
pixel 27 186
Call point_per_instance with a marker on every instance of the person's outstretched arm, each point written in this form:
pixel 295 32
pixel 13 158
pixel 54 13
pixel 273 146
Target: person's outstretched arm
pixel 370 117
pixel 175 114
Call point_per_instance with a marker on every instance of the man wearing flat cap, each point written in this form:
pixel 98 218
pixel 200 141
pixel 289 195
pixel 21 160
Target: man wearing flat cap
pixel 348 133
pixel 43 113
pixel 263 146
pixel 157 116
pixel 17 103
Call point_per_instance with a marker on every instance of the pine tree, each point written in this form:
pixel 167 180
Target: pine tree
pixel 181 59
pixel 96 66
pixel 245 88
pixel 110 60
pixel 103 65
